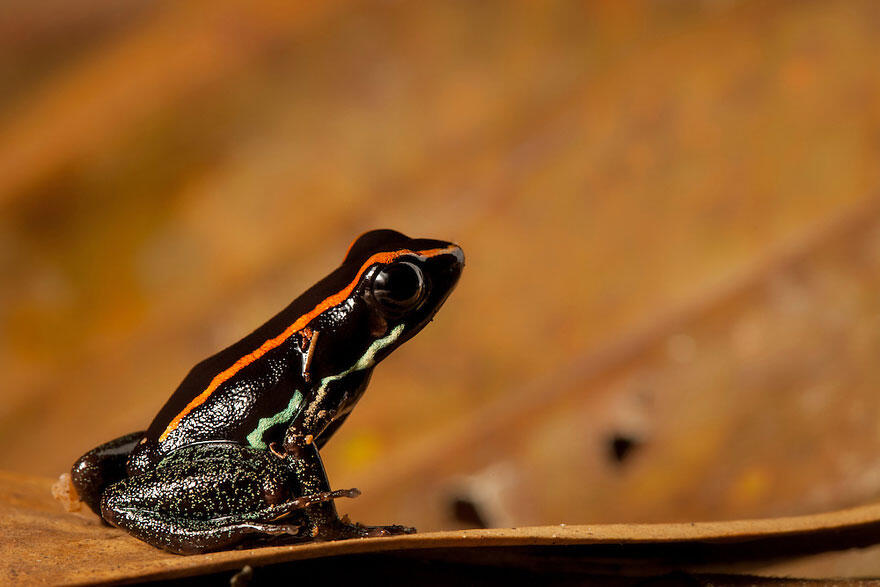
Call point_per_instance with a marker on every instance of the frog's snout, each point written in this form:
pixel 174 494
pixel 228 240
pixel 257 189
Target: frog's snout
pixel 451 263
pixel 459 256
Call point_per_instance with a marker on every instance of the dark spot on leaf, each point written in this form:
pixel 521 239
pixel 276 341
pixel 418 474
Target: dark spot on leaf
pixel 467 513
pixel 620 447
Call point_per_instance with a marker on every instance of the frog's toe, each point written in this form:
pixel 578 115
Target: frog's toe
pixel 342 530
pixel 380 531
pixel 393 530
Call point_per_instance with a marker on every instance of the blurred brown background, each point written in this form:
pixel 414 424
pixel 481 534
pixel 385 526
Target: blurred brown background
pixel 669 209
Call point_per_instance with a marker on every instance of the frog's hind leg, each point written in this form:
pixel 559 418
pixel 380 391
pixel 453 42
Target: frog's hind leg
pixel 193 536
pixel 188 536
pixel 99 468
pixel 215 496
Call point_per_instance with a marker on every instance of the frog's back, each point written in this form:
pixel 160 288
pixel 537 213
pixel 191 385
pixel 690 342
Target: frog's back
pixel 245 352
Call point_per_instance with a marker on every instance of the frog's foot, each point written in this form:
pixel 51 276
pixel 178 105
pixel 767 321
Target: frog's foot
pixel 342 529
pixel 298 503
pixel 391 530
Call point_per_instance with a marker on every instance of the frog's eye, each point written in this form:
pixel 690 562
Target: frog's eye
pixel 399 287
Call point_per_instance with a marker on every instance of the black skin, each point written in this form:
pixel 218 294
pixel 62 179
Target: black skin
pixel 176 505
pixel 237 433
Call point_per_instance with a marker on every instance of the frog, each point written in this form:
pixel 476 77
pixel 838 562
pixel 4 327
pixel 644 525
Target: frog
pixel 218 495
pixel 232 458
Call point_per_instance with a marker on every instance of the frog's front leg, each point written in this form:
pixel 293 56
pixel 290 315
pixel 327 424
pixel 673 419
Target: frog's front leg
pixel 215 496
pixel 327 407
pixel 298 443
pixel 101 467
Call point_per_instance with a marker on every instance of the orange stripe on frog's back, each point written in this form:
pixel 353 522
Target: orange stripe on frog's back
pixel 299 324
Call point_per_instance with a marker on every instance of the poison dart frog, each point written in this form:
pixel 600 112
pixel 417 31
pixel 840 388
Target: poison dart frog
pixel 231 459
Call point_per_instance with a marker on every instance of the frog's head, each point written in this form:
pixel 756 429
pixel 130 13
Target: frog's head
pixel 395 286
pixel 405 281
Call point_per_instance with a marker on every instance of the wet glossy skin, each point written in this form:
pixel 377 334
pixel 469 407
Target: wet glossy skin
pixel 177 504
pixel 259 410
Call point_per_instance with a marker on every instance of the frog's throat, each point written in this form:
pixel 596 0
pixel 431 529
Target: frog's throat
pixel 367 360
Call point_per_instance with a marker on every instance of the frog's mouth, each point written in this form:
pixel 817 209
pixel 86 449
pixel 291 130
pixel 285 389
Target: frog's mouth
pixel 442 270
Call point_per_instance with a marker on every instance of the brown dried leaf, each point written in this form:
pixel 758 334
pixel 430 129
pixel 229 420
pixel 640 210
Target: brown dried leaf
pixel 40 543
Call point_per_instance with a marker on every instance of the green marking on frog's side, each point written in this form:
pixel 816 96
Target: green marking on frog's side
pixel 255 438
pixel 367 360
